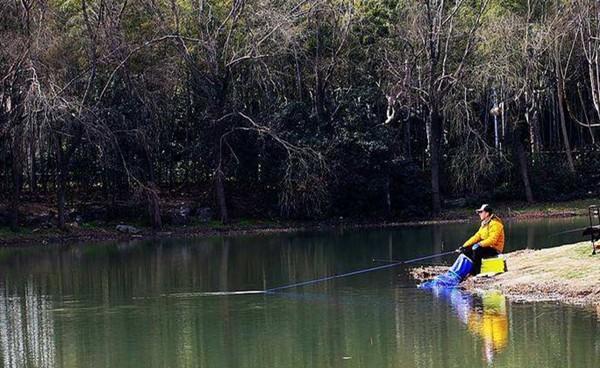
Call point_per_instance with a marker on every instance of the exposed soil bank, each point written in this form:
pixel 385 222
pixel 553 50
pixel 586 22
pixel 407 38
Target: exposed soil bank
pixel 98 231
pixel 568 274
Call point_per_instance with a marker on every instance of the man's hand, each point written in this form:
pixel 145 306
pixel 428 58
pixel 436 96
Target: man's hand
pixel 460 249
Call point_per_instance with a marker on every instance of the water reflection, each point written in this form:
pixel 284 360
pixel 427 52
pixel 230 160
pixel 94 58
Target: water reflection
pixel 484 315
pixel 138 304
pixel 26 329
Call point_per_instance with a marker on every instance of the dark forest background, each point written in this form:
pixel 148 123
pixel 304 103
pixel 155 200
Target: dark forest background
pixel 304 109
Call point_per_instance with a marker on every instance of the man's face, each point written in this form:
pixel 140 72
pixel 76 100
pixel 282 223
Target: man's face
pixel 483 215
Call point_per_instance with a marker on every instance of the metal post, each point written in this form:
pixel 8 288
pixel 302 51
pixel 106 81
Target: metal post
pixel 594 212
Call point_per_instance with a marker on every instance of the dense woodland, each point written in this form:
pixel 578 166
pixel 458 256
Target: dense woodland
pixel 297 108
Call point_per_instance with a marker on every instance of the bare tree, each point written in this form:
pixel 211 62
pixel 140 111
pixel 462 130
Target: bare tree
pixel 588 18
pixel 440 44
pixel 215 52
pixel 17 85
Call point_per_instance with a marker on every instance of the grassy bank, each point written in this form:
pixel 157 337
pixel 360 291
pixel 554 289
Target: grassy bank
pixel 568 273
pixel 100 231
pixel 526 210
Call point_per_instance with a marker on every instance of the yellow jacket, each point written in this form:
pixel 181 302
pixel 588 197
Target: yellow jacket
pixel 490 234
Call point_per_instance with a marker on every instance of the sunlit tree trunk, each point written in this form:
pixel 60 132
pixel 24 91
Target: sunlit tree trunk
pixel 561 111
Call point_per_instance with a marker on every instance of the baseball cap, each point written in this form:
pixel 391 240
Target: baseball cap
pixel 484 208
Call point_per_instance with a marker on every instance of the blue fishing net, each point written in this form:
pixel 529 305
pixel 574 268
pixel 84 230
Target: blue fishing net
pixel 445 280
pixel 451 278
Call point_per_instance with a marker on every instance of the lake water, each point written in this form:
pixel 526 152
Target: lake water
pixel 141 304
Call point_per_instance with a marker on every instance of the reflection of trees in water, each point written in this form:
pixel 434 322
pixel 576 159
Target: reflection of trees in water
pixel 113 273
pixel 26 329
pixel 438 245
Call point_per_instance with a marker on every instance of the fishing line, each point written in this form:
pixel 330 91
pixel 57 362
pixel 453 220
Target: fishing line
pixel 326 278
pixel 567 231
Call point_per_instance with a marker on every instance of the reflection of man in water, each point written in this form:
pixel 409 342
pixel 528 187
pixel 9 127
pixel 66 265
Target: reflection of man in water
pixel 490 322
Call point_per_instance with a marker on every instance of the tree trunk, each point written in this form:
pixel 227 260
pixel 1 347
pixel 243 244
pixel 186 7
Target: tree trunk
pixel 15 201
pixel 561 113
pixel 319 99
pixel 436 135
pixel 534 130
pixel 63 162
pixel 220 188
pixel 153 206
pixel 565 136
pixel 33 166
pixel 61 201
pixel 299 94
pixel 388 198
pixel 428 135
pixel 407 145
pixel 523 164
pixel 585 114
pixel 149 165
pixel 45 178
pixel 16 167
pixel 531 116
pixel 60 190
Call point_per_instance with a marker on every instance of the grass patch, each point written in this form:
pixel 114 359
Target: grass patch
pixel 92 225
pixel 255 222
pixel 583 251
pixel 216 224
pixel 574 274
pixel 8 232
pixel 242 223
pixel 579 206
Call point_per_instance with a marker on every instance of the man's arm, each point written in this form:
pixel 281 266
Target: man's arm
pixel 472 240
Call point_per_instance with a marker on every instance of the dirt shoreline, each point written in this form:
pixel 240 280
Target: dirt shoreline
pixel 568 274
pixel 78 234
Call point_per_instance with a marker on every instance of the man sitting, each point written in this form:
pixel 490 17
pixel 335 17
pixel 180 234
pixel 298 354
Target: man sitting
pixel 487 242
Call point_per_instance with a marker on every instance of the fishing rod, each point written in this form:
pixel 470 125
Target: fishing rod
pixel 568 231
pixel 326 278
pixel 415 259
pixel 371 269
